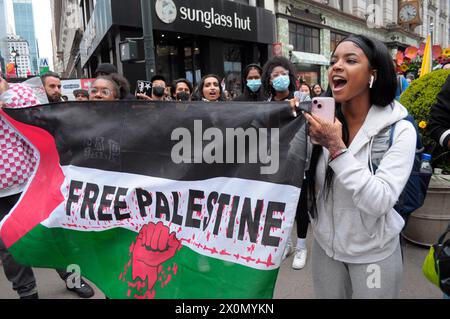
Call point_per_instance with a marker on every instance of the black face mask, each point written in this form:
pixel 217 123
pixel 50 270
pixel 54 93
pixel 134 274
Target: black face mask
pixel 158 91
pixel 182 96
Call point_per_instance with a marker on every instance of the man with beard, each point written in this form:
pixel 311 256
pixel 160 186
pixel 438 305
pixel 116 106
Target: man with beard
pixel 52 85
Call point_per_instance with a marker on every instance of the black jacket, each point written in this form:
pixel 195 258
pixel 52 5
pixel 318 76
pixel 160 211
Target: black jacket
pixel 251 97
pixel 439 124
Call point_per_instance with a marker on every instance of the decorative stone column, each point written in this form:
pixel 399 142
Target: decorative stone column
pixel 325 50
pixel 283 33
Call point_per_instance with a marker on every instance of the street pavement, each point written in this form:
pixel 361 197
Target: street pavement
pixel 297 284
pixel 291 284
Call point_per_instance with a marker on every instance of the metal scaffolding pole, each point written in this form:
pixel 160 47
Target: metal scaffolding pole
pixel 150 65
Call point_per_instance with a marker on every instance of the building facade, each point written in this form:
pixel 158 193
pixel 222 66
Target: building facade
pixel 194 38
pixel 4 53
pixel 66 36
pixel 191 38
pixel 435 18
pixel 24 23
pixel 309 30
pixel 22 60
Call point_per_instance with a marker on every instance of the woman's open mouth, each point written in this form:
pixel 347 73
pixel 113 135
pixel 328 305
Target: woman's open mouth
pixel 339 83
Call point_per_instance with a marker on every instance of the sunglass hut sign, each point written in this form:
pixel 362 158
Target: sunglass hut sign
pixel 169 13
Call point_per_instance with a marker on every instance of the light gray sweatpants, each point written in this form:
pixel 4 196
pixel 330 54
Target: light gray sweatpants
pixel 338 280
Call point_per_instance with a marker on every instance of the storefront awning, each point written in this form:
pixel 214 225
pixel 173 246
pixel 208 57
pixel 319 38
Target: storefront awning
pixel 309 58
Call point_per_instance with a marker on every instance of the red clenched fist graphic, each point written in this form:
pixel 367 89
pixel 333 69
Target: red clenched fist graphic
pixel 153 247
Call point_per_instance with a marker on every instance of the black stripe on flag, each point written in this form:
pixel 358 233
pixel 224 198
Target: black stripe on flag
pixel 135 137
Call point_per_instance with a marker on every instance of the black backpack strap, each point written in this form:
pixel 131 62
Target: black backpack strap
pixel 408 118
pixel 419 145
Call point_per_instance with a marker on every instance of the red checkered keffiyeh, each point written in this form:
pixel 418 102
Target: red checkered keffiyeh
pixel 19 96
pixel 17 157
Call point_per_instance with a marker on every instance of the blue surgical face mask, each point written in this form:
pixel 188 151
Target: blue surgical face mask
pixel 281 83
pixel 254 85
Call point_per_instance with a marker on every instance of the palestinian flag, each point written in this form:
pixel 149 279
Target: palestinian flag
pixel 160 200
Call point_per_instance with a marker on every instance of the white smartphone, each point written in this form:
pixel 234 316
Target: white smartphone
pixel 325 108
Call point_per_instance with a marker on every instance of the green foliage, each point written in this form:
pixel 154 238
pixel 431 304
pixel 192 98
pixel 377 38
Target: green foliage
pixel 420 96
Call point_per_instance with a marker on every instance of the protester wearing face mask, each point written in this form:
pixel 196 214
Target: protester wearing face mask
pixel 252 85
pixel 181 90
pixel 158 89
pixel 278 79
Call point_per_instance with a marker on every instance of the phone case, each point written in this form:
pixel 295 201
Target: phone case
pixel 325 108
pixel 144 87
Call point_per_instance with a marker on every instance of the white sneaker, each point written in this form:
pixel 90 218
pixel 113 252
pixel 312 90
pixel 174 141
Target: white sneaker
pixel 299 259
pixel 289 250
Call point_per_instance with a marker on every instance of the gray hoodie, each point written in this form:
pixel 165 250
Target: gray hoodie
pixel 356 221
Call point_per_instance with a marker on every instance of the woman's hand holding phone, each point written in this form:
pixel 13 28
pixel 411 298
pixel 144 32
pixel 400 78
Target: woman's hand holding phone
pixel 324 128
pixel 142 96
pixel 324 107
pixel 323 110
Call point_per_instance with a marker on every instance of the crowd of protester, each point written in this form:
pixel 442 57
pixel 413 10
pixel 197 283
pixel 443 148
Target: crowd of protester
pixel 276 82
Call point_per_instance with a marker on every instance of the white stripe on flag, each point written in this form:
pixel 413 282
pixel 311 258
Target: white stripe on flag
pixel 205 242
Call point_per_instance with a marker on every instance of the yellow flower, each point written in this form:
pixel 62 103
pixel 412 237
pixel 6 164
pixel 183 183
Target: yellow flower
pixel 446 52
pixel 404 67
pixel 423 125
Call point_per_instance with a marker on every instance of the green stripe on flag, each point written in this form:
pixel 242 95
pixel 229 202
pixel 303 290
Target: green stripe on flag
pixel 102 257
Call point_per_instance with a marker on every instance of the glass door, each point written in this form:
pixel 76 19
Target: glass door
pixel 192 62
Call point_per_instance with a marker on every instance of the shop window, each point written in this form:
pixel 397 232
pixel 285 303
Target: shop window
pixel 335 38
pixel 232 68
pixel 166 61
pixel 191 64
pixel 304 38
pixel 309 74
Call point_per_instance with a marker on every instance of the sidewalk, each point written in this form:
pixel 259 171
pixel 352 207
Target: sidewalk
pixel 291 284
pixel 297 284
